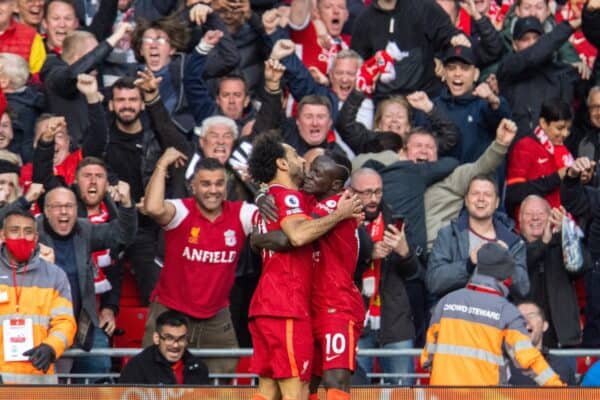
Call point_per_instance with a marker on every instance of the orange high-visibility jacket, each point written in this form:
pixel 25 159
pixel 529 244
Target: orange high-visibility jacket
pixel 45 297
pixel 470 332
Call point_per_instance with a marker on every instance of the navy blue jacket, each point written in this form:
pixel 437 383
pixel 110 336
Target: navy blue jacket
pixel 476 121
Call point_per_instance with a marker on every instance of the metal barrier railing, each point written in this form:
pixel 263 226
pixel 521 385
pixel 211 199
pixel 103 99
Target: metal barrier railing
pixel 234 379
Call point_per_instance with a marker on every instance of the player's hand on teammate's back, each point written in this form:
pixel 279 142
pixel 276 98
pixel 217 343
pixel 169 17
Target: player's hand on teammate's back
pixel 267 208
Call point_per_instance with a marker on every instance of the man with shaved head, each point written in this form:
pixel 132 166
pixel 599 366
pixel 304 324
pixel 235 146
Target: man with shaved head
pixel 389 319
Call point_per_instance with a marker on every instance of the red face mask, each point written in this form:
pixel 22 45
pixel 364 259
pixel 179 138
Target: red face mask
pixel 21 249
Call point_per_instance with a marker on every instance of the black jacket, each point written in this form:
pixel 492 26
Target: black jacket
pixel 396 314
pixel 526 78
pixel 419 27
pixel 271 116
pixel 584 141
pixel 487 42
pixel 25 106
pixel 63 98
pixel 152 368
pixel 114 273
pixel 584 204
pixel 591 29
pixel 362 140
pixel 405 183
pixel 552 288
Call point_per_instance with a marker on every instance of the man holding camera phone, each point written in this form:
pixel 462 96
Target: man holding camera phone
pixel 388 322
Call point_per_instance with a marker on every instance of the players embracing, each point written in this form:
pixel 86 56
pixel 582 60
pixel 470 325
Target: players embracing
pixel 320 221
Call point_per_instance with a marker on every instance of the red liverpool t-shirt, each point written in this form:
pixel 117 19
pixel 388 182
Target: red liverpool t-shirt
pixel 529 160
pixel 201 257
pixel 311 53
pixel 283 289
pixel 333 290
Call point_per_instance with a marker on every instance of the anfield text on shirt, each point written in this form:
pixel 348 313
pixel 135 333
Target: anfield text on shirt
pixel 213 257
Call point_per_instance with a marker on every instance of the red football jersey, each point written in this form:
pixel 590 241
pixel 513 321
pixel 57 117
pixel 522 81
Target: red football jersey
pixel 283 289
pixel 529 160
pixel 333 289
pixel 311 53
pixel 201 257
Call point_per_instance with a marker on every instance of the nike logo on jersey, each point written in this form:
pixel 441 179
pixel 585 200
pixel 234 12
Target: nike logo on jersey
pixel 542 160
pixel 330 358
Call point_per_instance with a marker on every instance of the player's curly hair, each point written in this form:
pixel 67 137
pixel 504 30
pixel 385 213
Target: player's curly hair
pixel 266 149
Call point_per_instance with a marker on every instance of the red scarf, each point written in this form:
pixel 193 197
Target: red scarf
pixel 561 154
pixel 372 276
pixel 101 258
pixel 177 368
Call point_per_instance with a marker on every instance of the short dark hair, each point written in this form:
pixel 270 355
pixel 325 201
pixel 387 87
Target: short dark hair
pixel 518 2
pixel 208 164
pixel 90 161
pixel 125 82
pixel 266 149
pixel 342 162
pixel 388 140
pixel 313 99
pixel 419 130
pixel 533 303
pixel 171 318
pixel 177 31
pixel 48 2
pixel 232 77
pixel 484 177
pixel 556 109
pixel 19 213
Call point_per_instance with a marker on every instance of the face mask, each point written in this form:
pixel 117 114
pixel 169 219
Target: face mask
pixel 20 249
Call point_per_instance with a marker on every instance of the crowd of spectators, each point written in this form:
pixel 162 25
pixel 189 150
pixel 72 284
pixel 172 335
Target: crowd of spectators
pixel 469 122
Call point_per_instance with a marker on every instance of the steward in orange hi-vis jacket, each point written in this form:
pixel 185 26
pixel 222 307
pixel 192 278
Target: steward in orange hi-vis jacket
pixel 473 328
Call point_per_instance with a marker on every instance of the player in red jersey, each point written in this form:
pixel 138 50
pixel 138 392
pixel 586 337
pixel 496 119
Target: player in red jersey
pixel 280 308
pixel 337 307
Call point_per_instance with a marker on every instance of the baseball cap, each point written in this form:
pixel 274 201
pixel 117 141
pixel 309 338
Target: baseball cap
pixel 527 24
pixel 461 53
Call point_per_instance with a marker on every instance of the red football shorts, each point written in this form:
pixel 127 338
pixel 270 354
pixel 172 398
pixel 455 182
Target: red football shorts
pixel 335 344
pixel 283 347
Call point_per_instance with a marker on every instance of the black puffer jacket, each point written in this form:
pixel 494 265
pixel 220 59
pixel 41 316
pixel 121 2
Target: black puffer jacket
pixel 152 368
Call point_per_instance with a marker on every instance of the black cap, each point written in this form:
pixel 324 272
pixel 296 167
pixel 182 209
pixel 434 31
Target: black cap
pixel 461 53
pixel 495 261
pixel 527 24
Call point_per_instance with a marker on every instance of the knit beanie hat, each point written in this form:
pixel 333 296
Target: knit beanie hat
pixel 495 261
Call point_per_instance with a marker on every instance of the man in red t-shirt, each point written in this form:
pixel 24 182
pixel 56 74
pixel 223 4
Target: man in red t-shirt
pixel 280 308
pixel 319 39
pixel 204 236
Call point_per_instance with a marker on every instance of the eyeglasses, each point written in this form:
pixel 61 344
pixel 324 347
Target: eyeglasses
pixel 68 206
pixel 369 192
pixel 168 339
pixel 158 40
